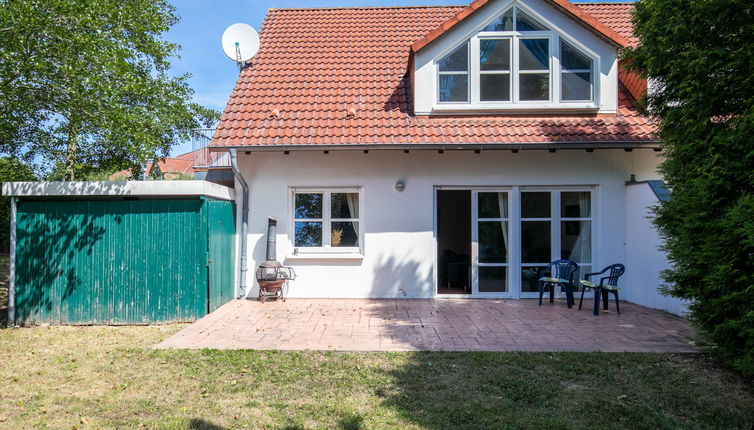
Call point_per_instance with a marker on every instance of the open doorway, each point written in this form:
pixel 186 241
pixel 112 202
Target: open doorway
pixel 454 241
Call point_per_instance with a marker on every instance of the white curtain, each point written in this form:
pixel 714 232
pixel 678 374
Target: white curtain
pixel 502 203
pixel 353 204
pixel 353 209
pixel 582 249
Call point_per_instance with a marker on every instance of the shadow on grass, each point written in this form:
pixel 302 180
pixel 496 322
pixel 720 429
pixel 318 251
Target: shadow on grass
pixel 200 424
pixel 347 422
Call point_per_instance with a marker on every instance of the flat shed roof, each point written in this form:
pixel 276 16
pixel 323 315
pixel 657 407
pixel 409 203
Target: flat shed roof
pixel 118 189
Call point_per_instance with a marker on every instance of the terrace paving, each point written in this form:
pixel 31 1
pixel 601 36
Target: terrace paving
pixel 435 325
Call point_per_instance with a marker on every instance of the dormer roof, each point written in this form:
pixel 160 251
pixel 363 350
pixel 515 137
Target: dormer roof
pixel 573 11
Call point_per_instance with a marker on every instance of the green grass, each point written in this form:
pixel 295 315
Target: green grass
pixel 108 377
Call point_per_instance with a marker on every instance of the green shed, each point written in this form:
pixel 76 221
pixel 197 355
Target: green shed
pixel 121 252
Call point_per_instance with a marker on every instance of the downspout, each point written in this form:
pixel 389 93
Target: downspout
pixel 12 264
pixel 244 219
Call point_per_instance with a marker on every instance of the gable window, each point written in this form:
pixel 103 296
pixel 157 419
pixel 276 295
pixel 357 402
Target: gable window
pixel 515 59
pixel 575 74
pixel 327 220
pixel 454 75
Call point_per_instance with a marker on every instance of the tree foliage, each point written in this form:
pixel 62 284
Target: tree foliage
pixel 11 170
pixel 85 83
pixel 700 56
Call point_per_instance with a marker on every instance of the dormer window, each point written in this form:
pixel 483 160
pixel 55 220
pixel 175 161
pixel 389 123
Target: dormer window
pixel 515 60
pixel 575 73
pixel 454 75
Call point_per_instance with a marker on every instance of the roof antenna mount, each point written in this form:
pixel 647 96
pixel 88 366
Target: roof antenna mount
pixel 240 43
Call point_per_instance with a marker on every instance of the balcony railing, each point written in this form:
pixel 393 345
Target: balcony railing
pixel 203 157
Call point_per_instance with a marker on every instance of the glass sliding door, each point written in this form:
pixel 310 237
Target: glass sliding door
pixel 576 229
pixel 491 243
pixel 536 237
pixel 555 224
pixel 494 242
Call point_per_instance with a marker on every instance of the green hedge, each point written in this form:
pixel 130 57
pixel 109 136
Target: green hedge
pixel 701 54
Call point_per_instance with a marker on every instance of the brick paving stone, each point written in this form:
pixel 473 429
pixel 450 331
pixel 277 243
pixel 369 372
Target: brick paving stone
pixel 438 325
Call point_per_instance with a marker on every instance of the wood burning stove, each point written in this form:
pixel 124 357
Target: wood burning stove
pixel 272 275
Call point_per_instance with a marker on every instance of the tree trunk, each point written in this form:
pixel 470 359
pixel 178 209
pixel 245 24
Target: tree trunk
pixel 70 155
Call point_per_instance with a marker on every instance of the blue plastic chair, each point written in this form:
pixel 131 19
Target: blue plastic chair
pixel 607 284
pixel 560 274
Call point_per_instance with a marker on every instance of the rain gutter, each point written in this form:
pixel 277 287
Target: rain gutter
pixel 244 220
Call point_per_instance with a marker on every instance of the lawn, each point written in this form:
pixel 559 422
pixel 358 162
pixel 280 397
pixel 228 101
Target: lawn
pixel 108 377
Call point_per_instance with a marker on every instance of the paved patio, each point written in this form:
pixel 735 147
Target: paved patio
pixel 437 325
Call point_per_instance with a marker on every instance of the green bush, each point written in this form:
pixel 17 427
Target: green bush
pixel 700 53
pixel 11 169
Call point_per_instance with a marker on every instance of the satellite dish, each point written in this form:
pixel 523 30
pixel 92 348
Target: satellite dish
pixel 240 43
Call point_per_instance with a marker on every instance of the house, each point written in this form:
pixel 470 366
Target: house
pixel 445 151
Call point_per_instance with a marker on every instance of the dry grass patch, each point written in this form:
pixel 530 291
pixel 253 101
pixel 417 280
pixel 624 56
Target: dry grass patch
pixel 109 377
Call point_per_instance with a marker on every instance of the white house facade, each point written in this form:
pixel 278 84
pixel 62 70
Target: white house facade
pixel 443 151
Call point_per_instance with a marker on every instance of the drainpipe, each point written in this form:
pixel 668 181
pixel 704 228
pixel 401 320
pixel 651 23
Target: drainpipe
pixel 244 218
pixel 12 264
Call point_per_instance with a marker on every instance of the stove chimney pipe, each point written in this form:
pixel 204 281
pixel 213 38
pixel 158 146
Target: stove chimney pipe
pixel 272 223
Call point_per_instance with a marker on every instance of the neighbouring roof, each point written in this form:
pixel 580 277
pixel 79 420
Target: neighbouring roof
pixel 183 163
pixel 338 76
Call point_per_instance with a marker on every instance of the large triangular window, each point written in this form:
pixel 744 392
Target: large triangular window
pixel 515 58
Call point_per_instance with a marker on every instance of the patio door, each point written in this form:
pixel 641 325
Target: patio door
pixel 491 243
pixel 555 224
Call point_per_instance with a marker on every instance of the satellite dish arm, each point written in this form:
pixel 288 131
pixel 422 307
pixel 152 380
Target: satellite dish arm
pixel 239 61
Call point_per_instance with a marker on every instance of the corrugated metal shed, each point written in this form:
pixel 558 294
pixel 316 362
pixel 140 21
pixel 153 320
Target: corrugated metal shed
pixel 149 257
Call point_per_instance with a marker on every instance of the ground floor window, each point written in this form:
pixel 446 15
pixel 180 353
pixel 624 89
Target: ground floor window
pixel 326 220
pixel 495 242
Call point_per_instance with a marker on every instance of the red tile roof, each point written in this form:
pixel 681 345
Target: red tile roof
pixel 338 76
pixel 614 15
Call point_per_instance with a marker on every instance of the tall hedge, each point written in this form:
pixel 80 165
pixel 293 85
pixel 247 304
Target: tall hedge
pixel 699 55
pixel 11 169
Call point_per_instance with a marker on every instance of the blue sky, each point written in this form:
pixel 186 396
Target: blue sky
pixel 202 24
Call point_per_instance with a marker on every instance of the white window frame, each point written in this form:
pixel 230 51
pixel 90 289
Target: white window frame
pixel 476 264
pixel 563 70
pixel 555 220
pixel 555 71
pixel 326 221
pixel 438 74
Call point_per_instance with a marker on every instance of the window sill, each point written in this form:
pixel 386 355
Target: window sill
pixel 518 108
pixel 325 256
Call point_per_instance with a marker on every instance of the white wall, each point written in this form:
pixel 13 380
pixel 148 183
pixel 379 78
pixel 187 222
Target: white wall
pixel 399 238
pixel 644 260
pixel 425 88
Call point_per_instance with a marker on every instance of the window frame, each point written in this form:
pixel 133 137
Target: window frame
pixel 556 219
pixel 467 73
pixel 326 221
pixel 562 71
pixel 555 71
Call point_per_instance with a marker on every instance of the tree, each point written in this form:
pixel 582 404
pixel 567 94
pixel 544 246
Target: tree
pixel 86 83
pixel 11 170
pixel 699 55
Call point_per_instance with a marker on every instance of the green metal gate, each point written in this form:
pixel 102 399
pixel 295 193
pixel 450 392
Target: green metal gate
pixel 221 260
pixel 122 261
